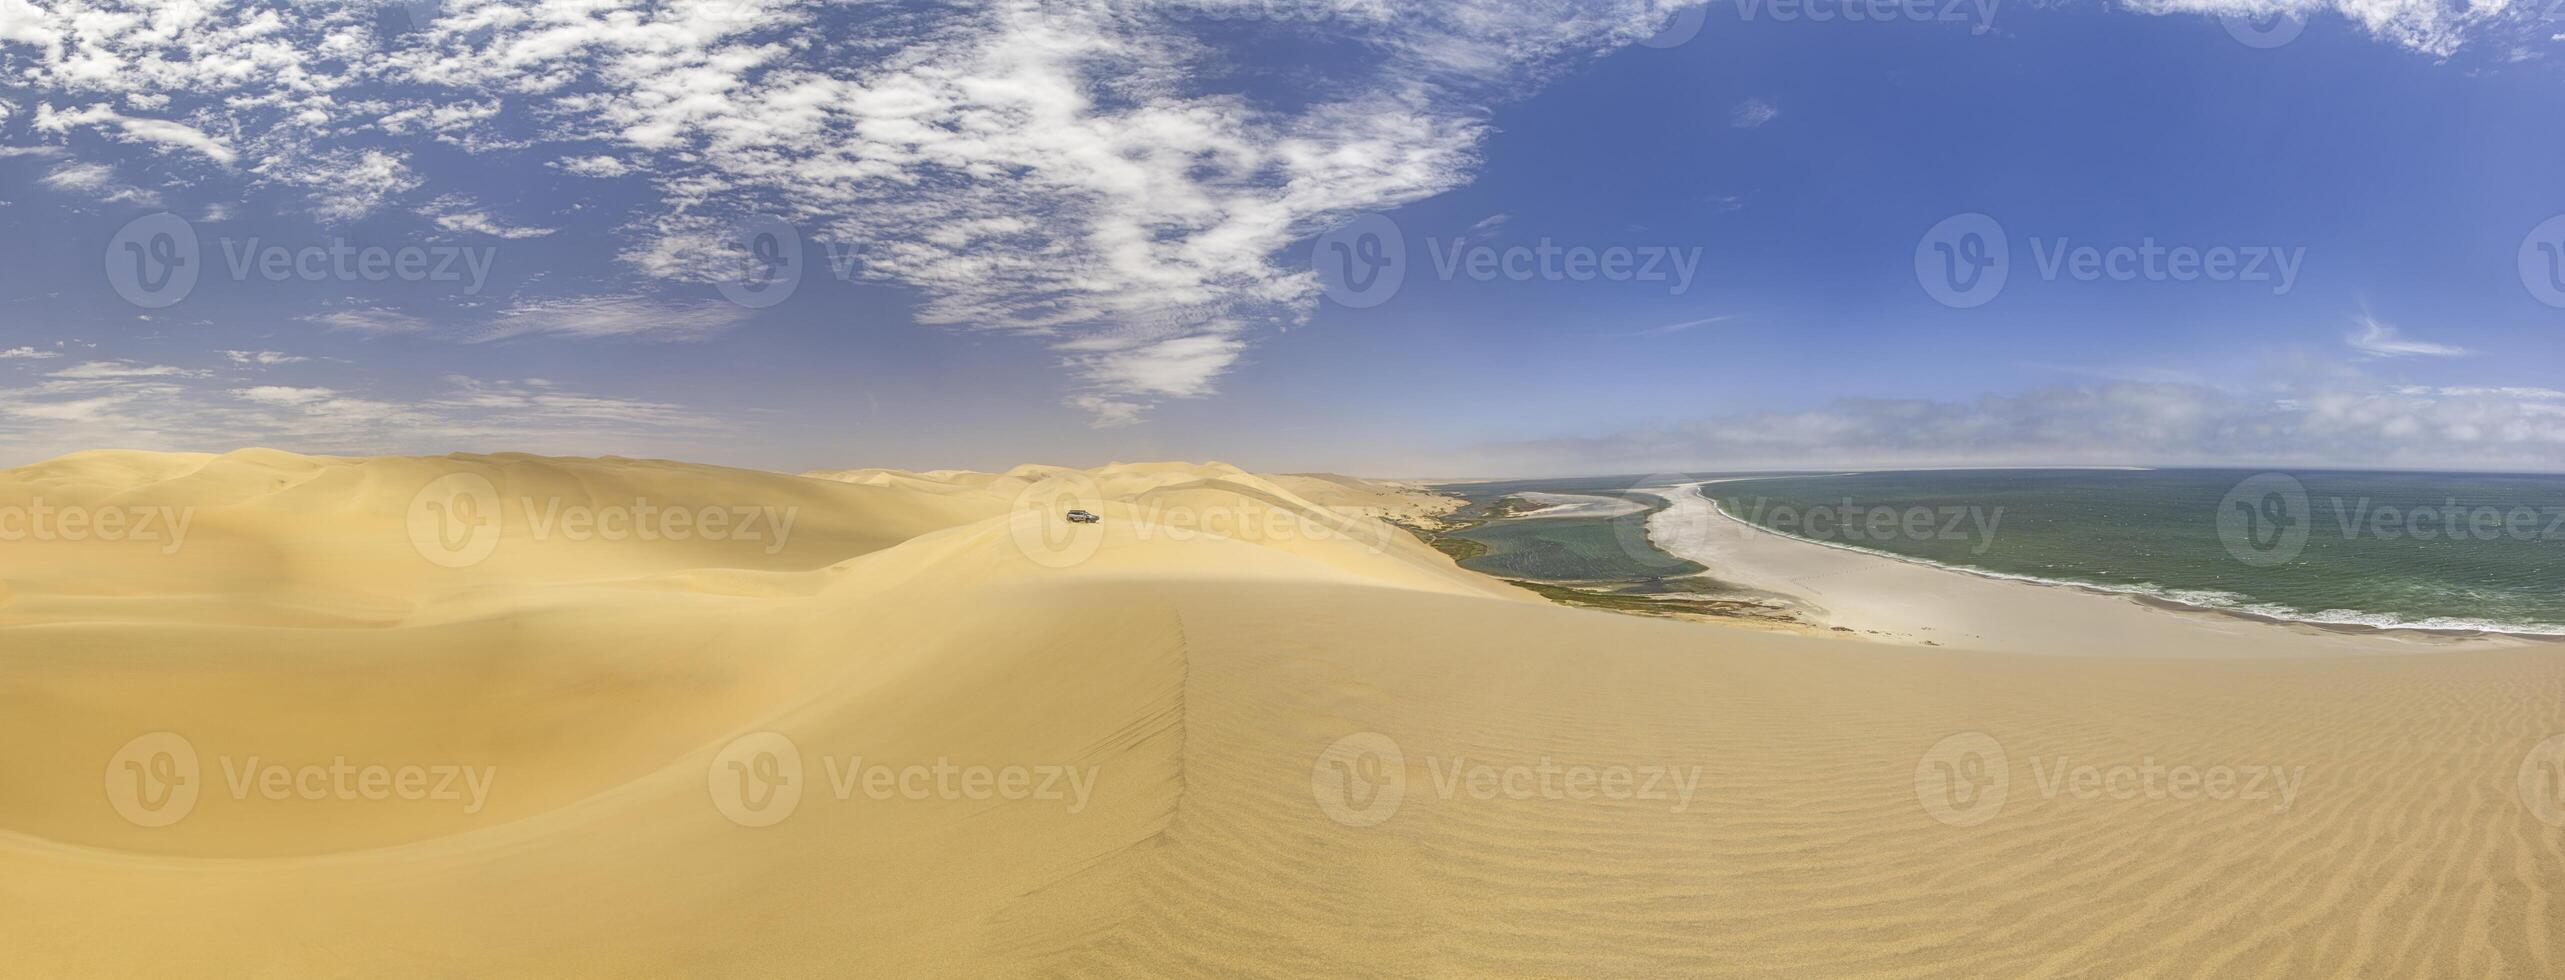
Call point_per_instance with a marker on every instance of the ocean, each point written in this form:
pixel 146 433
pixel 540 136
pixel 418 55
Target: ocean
pixel 2382 549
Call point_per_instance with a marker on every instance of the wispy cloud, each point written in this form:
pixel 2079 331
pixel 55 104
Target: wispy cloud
pixel 1675 328
pixel 98 370
pixel 2341 422
pixel 372 321
pixel 1752 113
pixel 263 358
pixel 2377 338
pixel 629 317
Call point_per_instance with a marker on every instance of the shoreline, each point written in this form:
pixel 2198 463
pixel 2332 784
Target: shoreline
pixel 1896 597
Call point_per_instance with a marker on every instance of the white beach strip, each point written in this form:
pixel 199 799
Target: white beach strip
pixel 1914 602
pixel 1575 505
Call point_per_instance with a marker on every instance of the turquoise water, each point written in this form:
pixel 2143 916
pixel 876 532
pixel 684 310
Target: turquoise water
pixel 1584 550
pixel 2416 550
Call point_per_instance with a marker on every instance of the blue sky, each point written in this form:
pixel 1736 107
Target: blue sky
pixel 1080 231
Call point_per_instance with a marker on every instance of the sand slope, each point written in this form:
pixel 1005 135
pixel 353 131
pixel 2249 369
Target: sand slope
pixel 1197 657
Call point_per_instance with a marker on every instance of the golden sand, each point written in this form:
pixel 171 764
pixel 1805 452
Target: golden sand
pixel 465 717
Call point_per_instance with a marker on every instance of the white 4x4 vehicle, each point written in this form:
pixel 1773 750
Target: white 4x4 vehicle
pixel 1083 517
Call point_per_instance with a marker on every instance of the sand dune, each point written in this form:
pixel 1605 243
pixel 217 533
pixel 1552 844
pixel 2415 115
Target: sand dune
pixel 1236 729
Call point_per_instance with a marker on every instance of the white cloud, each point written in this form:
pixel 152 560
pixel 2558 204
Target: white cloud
pixel 373 321
pixel 592 166
pixel 456 213
pixel 27 354
pixel 2344 421
pixel 263 358
pixel 2437 27
pixel 1752 113
pixel 1083 171
pixel 103 370
pixel 2376 338
pixel 633 317
pixel 157 131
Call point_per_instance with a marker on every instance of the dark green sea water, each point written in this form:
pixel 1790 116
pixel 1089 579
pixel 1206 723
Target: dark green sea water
pixel 2434 551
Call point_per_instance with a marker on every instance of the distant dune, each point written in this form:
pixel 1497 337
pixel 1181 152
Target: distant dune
pixel 500 716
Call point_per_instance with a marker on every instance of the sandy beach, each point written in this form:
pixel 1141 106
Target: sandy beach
pixel 1903 601
pixel 353 725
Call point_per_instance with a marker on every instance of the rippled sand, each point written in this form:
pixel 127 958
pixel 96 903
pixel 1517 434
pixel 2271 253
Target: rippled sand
pixel 935 731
